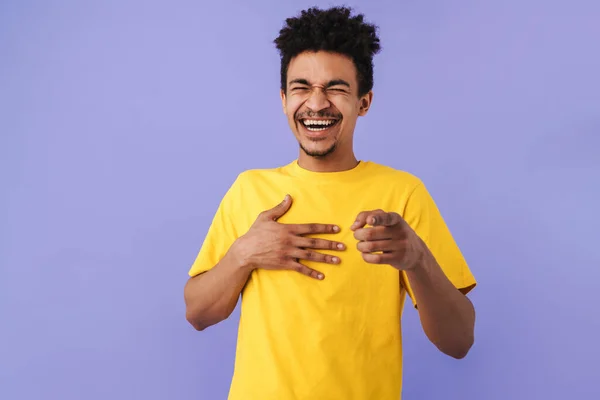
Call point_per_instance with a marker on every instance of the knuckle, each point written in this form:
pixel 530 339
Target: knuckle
pixel 282 256
pixel 292 228
pixel 313 242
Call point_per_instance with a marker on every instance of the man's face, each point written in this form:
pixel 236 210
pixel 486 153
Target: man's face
pixel 321 102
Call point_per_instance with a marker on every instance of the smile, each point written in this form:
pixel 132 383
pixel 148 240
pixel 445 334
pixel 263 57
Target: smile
pixel 319 125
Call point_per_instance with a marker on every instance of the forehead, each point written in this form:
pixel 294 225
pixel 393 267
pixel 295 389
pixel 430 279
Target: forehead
pixel 321 67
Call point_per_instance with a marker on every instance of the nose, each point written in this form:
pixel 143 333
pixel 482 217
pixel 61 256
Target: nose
pixel 317 100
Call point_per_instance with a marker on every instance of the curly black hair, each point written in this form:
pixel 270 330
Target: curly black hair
pixel 333 30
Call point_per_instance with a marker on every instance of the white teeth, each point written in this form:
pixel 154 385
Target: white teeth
pixel 318 125
pixel 308 123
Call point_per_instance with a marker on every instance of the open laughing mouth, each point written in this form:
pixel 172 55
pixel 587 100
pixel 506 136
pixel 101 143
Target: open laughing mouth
pixel 319 125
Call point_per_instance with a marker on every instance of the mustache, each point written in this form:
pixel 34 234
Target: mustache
pixel 319 114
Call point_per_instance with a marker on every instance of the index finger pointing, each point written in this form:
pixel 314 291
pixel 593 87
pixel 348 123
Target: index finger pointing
pixel 374 218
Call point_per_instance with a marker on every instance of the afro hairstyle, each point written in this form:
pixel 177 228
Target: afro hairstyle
pixel 332 30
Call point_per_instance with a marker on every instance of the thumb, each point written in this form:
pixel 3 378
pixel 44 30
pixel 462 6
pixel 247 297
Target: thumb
pixel 361 221
pixel 280 209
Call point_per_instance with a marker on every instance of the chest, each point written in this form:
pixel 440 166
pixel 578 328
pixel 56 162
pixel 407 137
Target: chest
pixel 353 286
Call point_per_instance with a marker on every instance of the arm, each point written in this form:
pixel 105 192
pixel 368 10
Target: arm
pixel 212 296
pixel 446 314
pixel 420 245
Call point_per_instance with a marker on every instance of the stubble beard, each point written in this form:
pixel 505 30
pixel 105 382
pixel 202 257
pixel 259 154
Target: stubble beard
pixel 316 153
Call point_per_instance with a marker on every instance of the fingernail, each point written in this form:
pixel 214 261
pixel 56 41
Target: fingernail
pixel 336 228
pixel 320 276
pixel 340 246
pixel 335 259
pixel 373 221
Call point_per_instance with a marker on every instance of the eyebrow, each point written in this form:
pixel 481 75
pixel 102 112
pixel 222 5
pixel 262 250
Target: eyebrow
pixel 334 82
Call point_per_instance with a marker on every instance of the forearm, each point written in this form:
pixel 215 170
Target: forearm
pixel 447 315
pixel 212 296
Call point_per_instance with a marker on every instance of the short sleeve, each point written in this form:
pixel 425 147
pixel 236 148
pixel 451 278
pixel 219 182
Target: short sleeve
pixel 423 215
pixel 221 233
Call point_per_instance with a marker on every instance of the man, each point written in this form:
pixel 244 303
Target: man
pixel 324 250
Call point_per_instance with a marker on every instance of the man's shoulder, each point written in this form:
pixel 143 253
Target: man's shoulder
pixel 256 174
pixel 394 176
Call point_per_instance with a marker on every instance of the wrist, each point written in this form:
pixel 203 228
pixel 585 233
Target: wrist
pixel 421 263
pixel 241 258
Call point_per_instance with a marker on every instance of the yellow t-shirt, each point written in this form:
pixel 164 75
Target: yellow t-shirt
pixel 340 338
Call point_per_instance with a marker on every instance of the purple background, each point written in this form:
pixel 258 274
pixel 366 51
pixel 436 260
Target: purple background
pixel 123 123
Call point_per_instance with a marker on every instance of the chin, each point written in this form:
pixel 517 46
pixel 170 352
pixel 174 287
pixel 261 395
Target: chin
pixel 318 150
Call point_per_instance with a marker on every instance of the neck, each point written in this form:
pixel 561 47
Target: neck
pixel 330 163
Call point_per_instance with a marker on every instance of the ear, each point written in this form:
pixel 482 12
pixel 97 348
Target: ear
pixel 283 102
pixel 365 104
